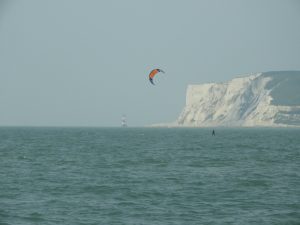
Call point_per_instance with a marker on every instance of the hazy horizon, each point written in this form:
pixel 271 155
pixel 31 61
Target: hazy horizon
pixel 86 63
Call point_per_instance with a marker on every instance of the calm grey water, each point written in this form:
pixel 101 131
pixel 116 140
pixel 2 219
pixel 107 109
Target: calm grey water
pixel 149 176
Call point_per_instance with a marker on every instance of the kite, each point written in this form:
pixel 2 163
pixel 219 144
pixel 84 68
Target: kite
pixel 153 73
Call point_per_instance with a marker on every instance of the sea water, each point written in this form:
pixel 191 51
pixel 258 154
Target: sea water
pixel 149 176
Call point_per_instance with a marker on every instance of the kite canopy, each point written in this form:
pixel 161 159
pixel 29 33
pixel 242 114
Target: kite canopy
pixel 153 73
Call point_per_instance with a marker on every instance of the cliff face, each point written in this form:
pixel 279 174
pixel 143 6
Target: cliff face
pixel 264 99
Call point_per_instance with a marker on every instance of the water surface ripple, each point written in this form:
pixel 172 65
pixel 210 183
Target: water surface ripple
pixel 149 176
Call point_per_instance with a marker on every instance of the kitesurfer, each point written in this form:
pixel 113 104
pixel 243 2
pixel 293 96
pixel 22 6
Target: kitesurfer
pixel 213 133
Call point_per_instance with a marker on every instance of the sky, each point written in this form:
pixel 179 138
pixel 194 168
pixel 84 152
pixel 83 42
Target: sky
pixel 86 63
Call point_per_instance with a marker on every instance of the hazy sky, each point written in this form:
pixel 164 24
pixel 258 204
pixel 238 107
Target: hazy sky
pixel 85 63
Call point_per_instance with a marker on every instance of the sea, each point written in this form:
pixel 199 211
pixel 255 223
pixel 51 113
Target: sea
pixel 149 176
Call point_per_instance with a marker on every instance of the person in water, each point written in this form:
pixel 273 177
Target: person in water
pixel 213 133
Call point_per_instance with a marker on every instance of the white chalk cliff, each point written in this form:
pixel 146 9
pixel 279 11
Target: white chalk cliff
pixel 263 99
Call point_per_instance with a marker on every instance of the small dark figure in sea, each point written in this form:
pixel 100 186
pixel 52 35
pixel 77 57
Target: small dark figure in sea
pixel 213 133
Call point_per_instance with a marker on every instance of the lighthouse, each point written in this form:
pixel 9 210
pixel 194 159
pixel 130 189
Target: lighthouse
pixel 124 121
